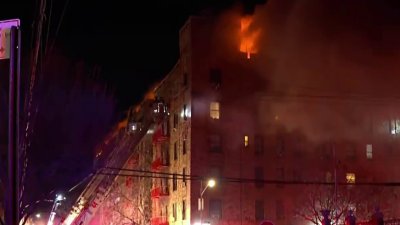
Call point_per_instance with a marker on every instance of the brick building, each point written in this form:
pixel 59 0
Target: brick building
pixel 225 122
pixel 270 151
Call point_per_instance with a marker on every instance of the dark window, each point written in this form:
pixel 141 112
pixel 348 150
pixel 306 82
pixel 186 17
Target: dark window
pixel 259 144
pixel 280 147
pixel 185 112
pixel 174 182
pixel 185 79
pixel 280 210
pixel 215 143
pixel 176 119
pixel 280 176
pixel 166 211
pixel 183 210
pixel 259 209
pixel 164 185
pixel 174 214
pixel 259 176
pixel 184 176
pixel 215 172
pixel 215 78
pixel 184 147
pixel 175 150
pixel 215 209
pixel 165 153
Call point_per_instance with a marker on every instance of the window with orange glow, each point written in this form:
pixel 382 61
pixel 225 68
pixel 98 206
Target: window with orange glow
pixel 246 141
pixel 214 110
pixel 351 178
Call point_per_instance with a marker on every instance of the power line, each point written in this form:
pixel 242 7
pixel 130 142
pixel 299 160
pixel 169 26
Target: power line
pixel 241 180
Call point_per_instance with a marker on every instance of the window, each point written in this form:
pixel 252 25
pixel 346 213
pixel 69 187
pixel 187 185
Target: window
pixel 175 120
pixel 183 210
pixel 259 144
pixel 184 176
pixel 280 210
pixel 215 143
pixel 369 151
pixel 259 209
pixel 215 78
pixel 184 147
pixel 185 79
pixel 215 172
pixel 246 141
pixel 280 147
pixel 395 127
pixel 215 209
pixel 175 151
pixel 280 176
pixel 214 110
pixel 174 214
pixel 351 178
pixel 174 182
pixel 328 177
pixel 165 154
pixel 259 176
pixel 164 186
pixel 185 112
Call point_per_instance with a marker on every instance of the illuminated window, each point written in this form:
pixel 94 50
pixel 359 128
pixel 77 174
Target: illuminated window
pixel 351 178
pixel 395 127
pixel 214 110
pixel 369 151
pixel 246 141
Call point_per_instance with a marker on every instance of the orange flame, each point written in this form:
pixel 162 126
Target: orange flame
pixel 248 36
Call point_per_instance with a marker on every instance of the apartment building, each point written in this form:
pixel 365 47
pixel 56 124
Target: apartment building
pixel 269 151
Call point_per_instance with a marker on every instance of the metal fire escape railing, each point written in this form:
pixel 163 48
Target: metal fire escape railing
pixel 100 185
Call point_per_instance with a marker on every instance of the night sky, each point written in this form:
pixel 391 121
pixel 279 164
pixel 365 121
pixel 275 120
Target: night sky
pixel 134 44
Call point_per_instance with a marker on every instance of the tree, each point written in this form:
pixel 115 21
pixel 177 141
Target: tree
pixel 361 200
pixel 129 201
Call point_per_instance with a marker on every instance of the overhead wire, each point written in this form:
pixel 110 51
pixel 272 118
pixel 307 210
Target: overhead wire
pixel 170 176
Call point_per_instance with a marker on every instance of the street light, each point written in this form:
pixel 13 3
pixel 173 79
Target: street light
pixel 38 215
pixel 210 183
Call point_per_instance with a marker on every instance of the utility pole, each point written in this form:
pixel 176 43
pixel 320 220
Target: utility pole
pixel 10 34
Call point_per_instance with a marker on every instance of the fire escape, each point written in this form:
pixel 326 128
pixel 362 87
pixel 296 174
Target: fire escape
pixel 160 191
